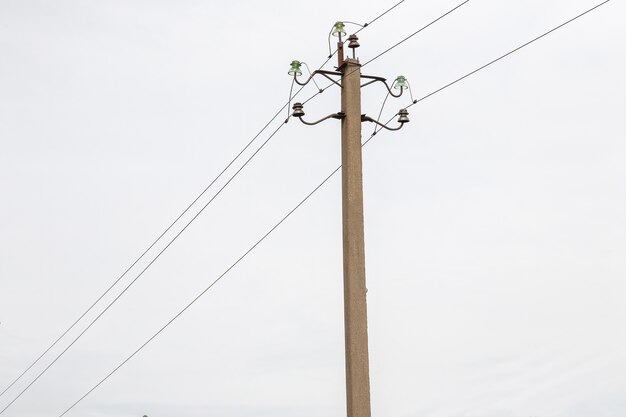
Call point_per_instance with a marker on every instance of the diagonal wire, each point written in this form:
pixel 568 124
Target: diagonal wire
pixel 167 229
pixel 415 33
pixel 380 15
pixel 158 239
pixel 142 271
pixel 203 292
pixel 508 53
pixel 512 51
pixel 273 228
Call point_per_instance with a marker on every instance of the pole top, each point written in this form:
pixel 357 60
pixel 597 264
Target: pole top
pixel 349 62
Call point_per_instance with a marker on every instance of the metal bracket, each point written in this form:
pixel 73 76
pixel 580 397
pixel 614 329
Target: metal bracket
pixel 323 73
pixel 382 80
pixel 340 115
pixel 365 118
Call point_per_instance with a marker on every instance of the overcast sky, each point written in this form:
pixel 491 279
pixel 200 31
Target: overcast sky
pixel 494 221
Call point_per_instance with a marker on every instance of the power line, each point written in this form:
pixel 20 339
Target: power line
pixel 193 301
pixel 512 51
pixel 202 193
pixel 56 341
pixel 145 251
pixel 273 228
pixel 379 16
pixel 142 271
pixel 508 53
pixel 136 261
pixel 258 242
pixel 415 33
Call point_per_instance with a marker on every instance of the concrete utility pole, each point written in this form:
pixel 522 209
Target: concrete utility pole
pixel 355 306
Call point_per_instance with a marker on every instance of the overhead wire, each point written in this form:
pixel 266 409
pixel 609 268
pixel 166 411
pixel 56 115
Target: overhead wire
pixel 509 53
pixel 415 33
pixel 512 51
pixel 380 15
pixel 416 101
pixel 136 261
pixel 193 301
pixel 203 292
pixel 289 213
pixel 142 271
pixel 158 239
pixel 145 252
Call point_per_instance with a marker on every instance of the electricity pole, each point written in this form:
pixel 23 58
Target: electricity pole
pixel 355 306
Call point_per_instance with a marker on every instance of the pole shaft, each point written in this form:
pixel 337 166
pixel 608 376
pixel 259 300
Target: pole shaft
pixel 355 308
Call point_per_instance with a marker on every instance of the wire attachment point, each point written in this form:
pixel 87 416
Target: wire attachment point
pixel 298 111
pixel 404 118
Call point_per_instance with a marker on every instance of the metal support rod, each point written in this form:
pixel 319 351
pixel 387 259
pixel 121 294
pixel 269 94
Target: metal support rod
pixel 382 80
pixel 355 308
pixel 339 52
pixel 339 115
pixel 366 118
pixel 314 73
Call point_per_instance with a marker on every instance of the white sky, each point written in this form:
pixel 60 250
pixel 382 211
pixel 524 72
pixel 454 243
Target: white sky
pixel 495 226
